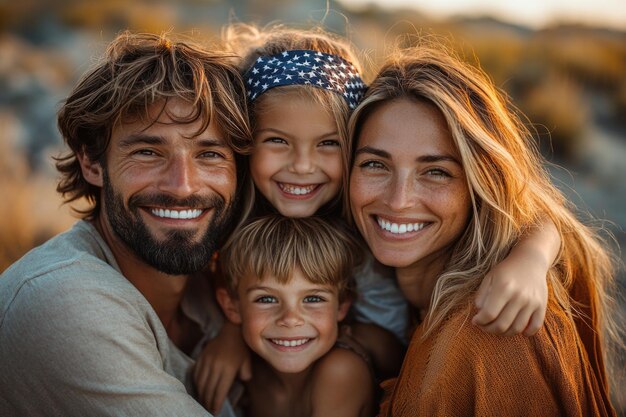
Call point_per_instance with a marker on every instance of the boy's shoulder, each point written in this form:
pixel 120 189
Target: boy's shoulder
pixel 342 380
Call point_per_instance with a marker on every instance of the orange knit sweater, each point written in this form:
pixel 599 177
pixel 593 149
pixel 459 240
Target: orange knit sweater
pixel 459 370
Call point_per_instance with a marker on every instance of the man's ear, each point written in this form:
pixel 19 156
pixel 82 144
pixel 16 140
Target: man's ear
pixel 344 306
pixel 92 171
pixel 230 306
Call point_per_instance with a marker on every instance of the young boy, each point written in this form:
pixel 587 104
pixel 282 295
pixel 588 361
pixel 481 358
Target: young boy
pixel 289 283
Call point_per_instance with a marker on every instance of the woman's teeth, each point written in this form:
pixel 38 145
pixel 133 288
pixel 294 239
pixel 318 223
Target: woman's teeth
pixel 399 228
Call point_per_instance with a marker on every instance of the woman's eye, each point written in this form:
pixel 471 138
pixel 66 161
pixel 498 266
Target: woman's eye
pixel 313 299
pixel 266 299
pixel 438 173
pixel 329 142
pixel 372 165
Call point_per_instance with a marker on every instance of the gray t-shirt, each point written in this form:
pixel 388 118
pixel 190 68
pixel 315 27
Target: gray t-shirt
pixel 78 339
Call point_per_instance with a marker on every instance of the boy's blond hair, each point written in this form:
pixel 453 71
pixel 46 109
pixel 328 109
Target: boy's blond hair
pixel 324 251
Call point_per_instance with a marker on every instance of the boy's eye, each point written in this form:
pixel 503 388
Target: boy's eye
pixel 313 299
pixel 266 299
pixel 329 142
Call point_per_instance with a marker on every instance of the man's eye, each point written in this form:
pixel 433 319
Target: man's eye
pixel 211 154
pixel 145 152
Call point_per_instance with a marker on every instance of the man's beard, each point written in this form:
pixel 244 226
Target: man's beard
pixel 178 253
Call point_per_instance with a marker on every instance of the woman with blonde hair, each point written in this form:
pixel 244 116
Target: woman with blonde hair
pixel 444 196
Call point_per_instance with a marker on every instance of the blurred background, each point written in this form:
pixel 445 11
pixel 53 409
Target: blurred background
pixel 562 61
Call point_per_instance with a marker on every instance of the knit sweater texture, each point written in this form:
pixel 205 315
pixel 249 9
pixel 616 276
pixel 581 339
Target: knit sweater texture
pixel 459 370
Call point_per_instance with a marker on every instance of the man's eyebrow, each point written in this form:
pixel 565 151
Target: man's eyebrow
pixel 139 138
pixel 143 139
pixel 211 142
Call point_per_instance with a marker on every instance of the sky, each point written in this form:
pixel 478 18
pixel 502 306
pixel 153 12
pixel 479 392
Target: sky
pixel 533 13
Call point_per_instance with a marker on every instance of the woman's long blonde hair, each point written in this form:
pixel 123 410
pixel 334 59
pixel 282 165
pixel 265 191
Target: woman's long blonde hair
pixel 510 189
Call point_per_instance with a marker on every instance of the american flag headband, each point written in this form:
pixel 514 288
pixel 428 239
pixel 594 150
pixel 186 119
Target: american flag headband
pixel 305 67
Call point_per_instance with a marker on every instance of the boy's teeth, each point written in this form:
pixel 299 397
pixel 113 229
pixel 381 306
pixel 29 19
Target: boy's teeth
pixel 176 214
pixel 289 343
pixel 399 228
pixel 294 189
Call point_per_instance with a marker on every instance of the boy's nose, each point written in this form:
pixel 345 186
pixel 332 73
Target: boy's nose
pixel 290 317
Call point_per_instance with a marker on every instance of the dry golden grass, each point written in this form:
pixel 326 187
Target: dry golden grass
pixel 30 210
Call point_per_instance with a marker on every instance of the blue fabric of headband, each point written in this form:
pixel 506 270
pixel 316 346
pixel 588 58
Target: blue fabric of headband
pixel 305 67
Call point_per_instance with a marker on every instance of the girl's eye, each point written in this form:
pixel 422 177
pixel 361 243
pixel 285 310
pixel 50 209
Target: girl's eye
pixel 275 140
pixel 329 142
pixel 372 165
pixel 266 299
pixel 313 299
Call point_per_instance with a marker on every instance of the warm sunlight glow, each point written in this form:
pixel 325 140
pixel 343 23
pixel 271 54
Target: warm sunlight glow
pixel 533 13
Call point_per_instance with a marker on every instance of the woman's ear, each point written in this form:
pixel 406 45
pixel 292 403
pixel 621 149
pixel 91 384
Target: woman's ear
pixel 230 306
pixel 92 171
pixel 344 306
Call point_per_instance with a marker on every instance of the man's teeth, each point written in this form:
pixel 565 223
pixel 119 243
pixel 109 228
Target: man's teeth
pixel 289 343
pixel 294 189
pixel 177 214
pixel 399 228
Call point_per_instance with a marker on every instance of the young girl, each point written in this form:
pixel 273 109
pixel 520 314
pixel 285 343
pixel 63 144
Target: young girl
pixel 302 86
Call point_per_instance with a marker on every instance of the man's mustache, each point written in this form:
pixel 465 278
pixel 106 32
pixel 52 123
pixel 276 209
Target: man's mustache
pixel 165 200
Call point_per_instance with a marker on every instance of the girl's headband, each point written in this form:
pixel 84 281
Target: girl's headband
pixel 305 67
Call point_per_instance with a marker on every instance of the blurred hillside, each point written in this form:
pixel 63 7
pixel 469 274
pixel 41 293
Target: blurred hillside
pixel 569 80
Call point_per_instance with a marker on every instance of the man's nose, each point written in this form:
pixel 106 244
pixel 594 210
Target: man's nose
pixel 181 178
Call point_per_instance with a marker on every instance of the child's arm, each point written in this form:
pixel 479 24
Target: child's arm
pixel 513 296
pixel 342 386
pixel 382 347
pixel 221 360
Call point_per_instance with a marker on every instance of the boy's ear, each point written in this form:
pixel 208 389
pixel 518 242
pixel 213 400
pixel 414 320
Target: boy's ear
pixel 230 306
pixel 344 306
pixel 92 171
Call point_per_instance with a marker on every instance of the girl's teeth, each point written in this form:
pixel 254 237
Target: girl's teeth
pixel 177 214
pixel 292 189
pixel 399 229
pixel 289 343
